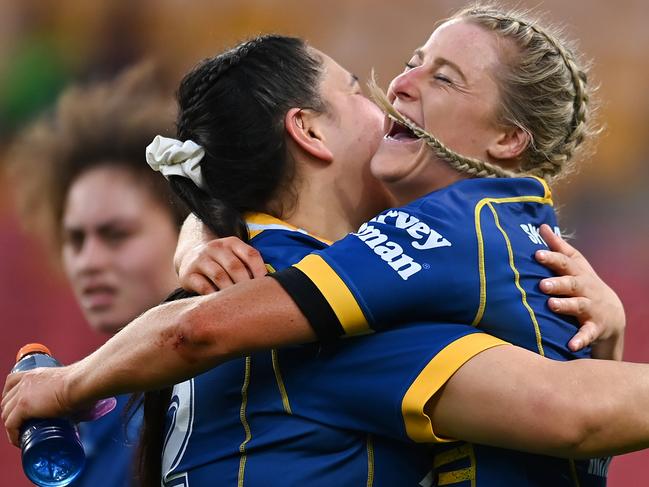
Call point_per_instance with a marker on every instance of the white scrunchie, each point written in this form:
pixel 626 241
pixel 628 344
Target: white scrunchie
pixel 172 157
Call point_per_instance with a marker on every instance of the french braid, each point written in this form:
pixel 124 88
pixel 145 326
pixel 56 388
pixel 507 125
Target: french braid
pixel 544 89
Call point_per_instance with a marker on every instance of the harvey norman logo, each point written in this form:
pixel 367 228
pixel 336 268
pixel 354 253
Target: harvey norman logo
pixel 424 238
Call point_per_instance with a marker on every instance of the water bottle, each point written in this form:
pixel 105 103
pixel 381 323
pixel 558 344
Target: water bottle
pixel 52 454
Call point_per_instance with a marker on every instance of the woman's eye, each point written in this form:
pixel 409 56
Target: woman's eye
pixel 410 66
pixel 443 79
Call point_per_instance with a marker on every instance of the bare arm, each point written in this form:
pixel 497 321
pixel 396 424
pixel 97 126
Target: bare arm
pixel 511 398
pixel 165 345
pixel 578 408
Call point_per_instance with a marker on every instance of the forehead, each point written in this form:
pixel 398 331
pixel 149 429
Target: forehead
pixel 105 193
pixel 474 49
pixel 332 72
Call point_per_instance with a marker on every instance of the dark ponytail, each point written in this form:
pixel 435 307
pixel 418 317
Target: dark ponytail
pixel 233 105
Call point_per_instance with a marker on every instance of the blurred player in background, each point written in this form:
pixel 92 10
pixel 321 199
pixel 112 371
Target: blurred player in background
pixel 82 186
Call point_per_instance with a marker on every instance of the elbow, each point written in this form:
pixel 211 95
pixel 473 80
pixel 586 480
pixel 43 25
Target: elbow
pixel 198 336
pixel 570 436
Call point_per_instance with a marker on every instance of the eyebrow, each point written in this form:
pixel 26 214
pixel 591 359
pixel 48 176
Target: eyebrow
pixel 440 61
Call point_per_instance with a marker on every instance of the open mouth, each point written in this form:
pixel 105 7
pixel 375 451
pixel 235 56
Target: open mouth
pixel 400 132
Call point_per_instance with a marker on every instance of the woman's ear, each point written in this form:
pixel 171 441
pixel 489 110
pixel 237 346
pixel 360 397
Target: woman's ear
pixel 510 144
pixel 302 126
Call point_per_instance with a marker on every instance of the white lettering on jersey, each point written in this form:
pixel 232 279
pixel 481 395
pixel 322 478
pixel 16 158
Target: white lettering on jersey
pixel 425 238
pixel 533 233
pixel 181 410
pixel 599 466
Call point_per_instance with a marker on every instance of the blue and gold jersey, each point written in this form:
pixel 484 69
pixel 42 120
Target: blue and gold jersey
pixel 463 254
pixel 344 414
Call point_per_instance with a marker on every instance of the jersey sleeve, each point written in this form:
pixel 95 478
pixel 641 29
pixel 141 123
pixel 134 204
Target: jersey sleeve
pixel 399 267
pixel 395 374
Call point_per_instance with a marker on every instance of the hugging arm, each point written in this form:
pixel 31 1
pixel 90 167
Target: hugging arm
pixel 578 408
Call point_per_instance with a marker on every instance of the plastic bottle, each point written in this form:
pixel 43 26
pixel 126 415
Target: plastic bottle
pixel 52 454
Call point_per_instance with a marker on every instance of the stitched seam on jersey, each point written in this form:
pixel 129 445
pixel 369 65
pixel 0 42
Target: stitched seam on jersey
pixel 478 229
pixel 474 465
pixel 573 472
pixel 451 455
pixel 370 461
pixel 517 282
pixel 280 382
pixel 457 476
pixel 242 416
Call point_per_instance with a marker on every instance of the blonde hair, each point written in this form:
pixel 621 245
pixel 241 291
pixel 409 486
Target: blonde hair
pixel 544 91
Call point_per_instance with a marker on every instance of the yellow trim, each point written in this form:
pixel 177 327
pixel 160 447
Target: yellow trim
pixel 270 268
pixel 336 293
pixel 280 382
pixel 418 424
pixel 370 461
pixel 456 476
pixel 478 229
pixel 265 219
pixel 448 456
pixel 544 183
pixel 244 422
pixel 517 282
pixel 573 472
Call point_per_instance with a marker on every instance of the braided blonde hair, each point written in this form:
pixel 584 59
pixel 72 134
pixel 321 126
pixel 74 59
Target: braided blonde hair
pixel 544 91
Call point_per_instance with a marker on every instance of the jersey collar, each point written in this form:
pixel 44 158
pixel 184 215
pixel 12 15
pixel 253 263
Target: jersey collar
pixel 260 222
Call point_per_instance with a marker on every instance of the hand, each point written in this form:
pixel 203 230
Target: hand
pixel 219 264
pixel 589 299
pixel 38 393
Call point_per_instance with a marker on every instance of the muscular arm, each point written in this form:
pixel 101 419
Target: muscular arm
pixel 511 398
pixel 504 396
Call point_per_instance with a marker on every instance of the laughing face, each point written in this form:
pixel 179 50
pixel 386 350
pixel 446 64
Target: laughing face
pixel 118 245
pixel 448 88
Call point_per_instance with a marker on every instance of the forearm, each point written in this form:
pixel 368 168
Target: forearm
pixel 181 339
pixel 511 398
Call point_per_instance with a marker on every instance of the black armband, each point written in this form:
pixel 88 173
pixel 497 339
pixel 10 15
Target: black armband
pixel 311 302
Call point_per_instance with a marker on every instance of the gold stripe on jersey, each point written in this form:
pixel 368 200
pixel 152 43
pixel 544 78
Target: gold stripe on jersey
pixel 449 456
pixel 370 461
pixel 244 422
pixel 573 472
pixel 457 476
pixel 517 282
pixel 418 424
pixel 544 200
pixel 280 382
pixel 335 291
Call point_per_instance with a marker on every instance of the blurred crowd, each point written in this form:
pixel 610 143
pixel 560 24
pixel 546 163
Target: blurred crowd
pixel 46 45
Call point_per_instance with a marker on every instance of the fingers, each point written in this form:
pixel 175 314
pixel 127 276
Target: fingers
pixel 577 307
pixel 555 242
pixel 197 283
pixel 563 286
pixel 252 259
pixel 586 336
pixel 220 264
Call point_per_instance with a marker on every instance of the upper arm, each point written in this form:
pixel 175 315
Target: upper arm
pixel 511 398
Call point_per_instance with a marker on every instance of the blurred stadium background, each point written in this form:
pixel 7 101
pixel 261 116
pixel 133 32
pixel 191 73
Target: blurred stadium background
pixel 46 44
